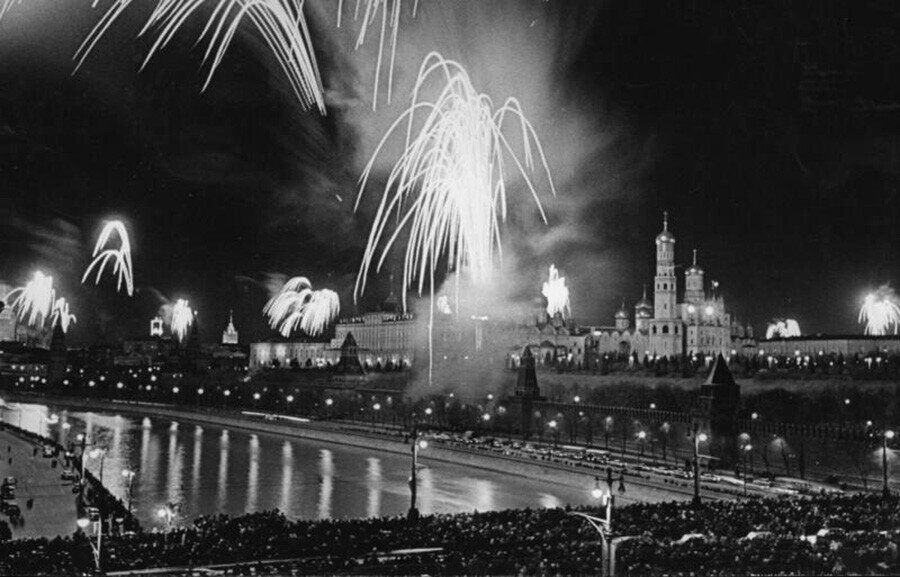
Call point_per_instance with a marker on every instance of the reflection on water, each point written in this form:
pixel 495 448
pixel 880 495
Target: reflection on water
pixel 233 471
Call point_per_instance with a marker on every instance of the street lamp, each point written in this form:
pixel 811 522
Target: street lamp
pixel 698 438
pixel 97 452
pixel 747 448
pixel 553 427
pixel 128 474
pixel 83 523
pixel 603 526
pixel 168 513
pixel 417 445
pixel 642 436
pixel 888 434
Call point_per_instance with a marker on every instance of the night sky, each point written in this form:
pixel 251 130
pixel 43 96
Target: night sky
pixel 768 130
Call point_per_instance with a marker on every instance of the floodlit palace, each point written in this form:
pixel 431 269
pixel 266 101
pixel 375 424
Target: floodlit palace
pixel 698 325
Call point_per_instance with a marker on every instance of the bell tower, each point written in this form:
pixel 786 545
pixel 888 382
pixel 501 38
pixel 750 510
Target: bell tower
pixel 665 283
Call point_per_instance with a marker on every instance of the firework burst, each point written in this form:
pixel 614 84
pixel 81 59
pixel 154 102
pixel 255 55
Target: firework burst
pixel 783 329
pixel 297 305
pixel 33 303
pixel 880 312
pixel 557 294
pixel 61 314
pixel 121 256
pixel 390 18
pixel 280 23
pixel 449 185
pixel 182 319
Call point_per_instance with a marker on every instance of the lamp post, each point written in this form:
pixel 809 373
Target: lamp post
pixel 128 474
pixel 169 513
pixel 642 436
pixel 698 438
pixel 554 427
pixel 100 453
pixel 603 526
pixel 888 434
pixel 747 448
pixel 417 444
pixel 83 523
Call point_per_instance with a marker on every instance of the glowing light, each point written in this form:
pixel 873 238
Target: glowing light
pixel 61 315
pixel 443 305
pixel 783 329
pixel 35 300
pixel 182 318
pixel 448 187
pixel 390 17
pixel 557 294
pixel 881 311
pixel 121 256
pixel 702 437
pixel 709 310
pixel 280 23
pixel 298 305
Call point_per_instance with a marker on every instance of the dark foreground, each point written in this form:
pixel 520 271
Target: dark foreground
pixel 842 534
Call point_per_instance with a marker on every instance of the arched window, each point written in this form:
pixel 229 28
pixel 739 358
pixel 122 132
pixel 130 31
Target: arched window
pixel 654 329
pixel 665 329
pixel 665 286
pixel 676 329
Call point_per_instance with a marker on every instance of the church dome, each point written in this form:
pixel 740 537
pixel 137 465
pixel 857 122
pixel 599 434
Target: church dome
pixel 644 307
pixel 665 235
pixel 694 269
pixel 622 313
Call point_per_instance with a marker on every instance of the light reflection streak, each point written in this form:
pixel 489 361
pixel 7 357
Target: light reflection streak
pixel 253 475
pixel 373 482
pixel 326 483
pixel 287 475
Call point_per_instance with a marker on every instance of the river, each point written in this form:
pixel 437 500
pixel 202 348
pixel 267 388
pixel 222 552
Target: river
pixel 211 469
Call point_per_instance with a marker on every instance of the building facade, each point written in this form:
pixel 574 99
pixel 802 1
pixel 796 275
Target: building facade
pixel 698 324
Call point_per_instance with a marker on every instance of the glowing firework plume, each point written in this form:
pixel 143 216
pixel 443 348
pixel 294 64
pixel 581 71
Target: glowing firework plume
pixel 182 319
pixel 280 23
pixel 557 294
pixel 783 329
pixel 121 256
pixel 881 311
pixel 62 315
pixel 297 305
pixel 449 185
pixel 390 17
pixel 34 301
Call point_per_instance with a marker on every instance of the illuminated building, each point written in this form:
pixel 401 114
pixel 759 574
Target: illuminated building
pixel 665 327
pixel 230 334
pixel 156 327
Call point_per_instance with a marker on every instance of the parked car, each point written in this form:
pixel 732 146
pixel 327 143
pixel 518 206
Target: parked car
pixel 49 452
pixel 10 507
pixel 10 481
pixel 68 475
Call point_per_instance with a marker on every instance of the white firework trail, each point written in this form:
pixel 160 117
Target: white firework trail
pixel 297 305
pixel 61 315
pixel 390 18
pixel 557 294
pixel 881 312
pixel 34 301
pixel 121 256
pixel 449 185
pixel 783 329
pixel 182 319
pixel 280 23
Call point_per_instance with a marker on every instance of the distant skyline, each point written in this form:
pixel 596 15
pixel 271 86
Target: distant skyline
pixel 712 113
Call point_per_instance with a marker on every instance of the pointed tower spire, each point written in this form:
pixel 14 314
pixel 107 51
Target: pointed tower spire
pixel 695 257
pixel 666 220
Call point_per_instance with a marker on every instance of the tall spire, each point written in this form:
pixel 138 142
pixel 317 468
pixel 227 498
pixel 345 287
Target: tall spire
pixel 666 221
pixel 695 257
pixel 645 291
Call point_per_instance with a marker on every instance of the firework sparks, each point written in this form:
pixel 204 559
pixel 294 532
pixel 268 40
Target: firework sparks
pixel 449 184
pixel 34 301
pixel 451 179
pixel 61 314
pixel 557 294
pixel 783 329
pixel 182 319
pixel 880 312
pixel 121 256
pixel 390 18
pixel 297 305
pixel 280 23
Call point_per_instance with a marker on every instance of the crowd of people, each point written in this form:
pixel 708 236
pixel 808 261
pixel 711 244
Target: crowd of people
pixel 837 534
